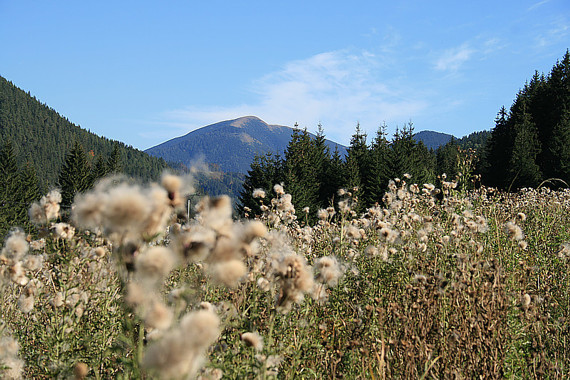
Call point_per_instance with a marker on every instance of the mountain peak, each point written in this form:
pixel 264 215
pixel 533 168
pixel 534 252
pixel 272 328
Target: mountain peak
pixel 432 139
pixel 243 121
pixel 229 144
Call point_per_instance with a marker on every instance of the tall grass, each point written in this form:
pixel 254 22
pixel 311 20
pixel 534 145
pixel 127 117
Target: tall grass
pixel 431 283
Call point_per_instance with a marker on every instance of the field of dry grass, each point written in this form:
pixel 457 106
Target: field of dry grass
pixel 435 283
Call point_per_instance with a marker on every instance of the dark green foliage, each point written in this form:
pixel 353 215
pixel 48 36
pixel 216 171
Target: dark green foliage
pixel 523 168
pixel 380 156
pixel 410 157
pixel 265 172
pixel 498 151
pixel 43 137
pixel 359 162
pixel 312 175
pixel 529 144
pixel 560 148
pixel 447 157
pixel 302 167
pixel 75 175
pixel 475 140
pixel 18 189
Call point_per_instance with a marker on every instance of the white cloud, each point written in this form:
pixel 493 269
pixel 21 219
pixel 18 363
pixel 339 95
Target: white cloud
pixel 452 59
pixel 558 32
pixel 337 89
pixel 536 5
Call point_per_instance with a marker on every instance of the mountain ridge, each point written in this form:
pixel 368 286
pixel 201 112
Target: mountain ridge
pixel 230 145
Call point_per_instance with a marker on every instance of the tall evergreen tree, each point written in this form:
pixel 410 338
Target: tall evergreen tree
pixel 560 148
pixel 113 164
pixel 99 169
pixel 18 189
pixel 498 151
pixel 336 177
pixel 379 175
pixel 301 170
pixel 358 165
pixel 74 176
pixel 447 157
pixel 28 192
pixel 9 186
pixel 523 169
pixel 322 165
pixel 265 172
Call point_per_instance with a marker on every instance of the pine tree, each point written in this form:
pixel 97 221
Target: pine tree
pixel 265 172
pixel 560 148
pixel 9 186
pixel 447 157
pixel 498 150
pixel 301 169
pixel 29 191
pixel 336 177
pixel 74 176
pixel 113 164
pixel 358 164
pixel 99 169
pixel 378 177
pixel 322 164
pixel 523 169
pixel 18 189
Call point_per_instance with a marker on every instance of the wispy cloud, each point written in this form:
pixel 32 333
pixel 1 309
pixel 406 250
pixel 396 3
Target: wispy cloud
pixel 559 30
pixel 537 4
pixel 337 89
pixel 452 59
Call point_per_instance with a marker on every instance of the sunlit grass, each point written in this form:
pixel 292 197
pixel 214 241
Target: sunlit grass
pixel 432 283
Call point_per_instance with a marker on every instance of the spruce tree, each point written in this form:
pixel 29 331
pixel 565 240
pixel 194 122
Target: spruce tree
pixel 74 176
pixel 497 152
pixel 113 164
pixel 265 172
pixel 9 187
pixel 99 169
pixel 336 177
pixel 301 171
pixel 523 170
pixel 28 192
pixel 322 165
pixel 18 190
pixel 358 163
pixel 379 175
pixel 447 157
pixel 560 148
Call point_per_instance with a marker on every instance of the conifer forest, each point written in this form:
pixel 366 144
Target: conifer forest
pixel 392 261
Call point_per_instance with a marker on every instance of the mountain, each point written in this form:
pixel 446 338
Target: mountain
pixel 475 140
pixel 433 140
pixel 230 145
pixel 42 137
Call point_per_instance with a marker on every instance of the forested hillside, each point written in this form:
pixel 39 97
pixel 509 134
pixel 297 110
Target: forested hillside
pixel 42 137
pixel 41 150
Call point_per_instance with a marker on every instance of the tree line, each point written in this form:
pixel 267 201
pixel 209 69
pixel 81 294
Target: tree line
pixel 530 143
pixel 20 185
pixel 312 174
pixel 528 146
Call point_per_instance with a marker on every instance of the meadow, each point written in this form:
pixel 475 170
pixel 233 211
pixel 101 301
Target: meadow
pixel 435 282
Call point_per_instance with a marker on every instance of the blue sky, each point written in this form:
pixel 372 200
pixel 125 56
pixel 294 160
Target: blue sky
pixel 143 72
